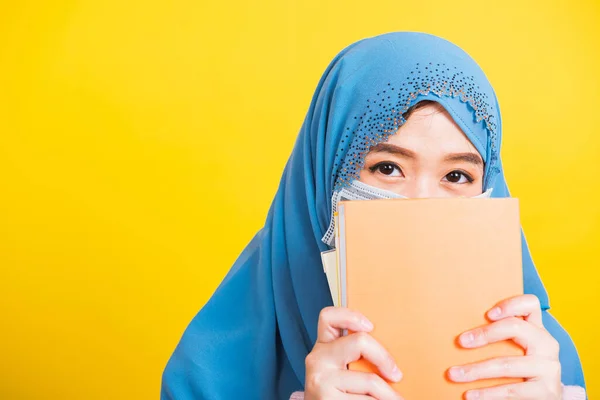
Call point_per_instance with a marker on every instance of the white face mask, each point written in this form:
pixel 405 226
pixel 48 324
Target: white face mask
pixel 361 191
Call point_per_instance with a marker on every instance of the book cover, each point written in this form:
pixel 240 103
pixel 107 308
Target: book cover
pixel 424 271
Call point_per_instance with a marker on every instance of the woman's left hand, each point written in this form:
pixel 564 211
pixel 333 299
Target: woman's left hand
pixel 540 366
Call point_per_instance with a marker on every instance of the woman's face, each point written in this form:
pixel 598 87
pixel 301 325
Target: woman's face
pixel 429 156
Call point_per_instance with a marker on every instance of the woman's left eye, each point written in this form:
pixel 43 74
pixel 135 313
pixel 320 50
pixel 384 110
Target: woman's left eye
pixel 458 177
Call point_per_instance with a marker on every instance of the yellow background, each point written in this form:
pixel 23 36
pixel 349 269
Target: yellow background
pixel 141 143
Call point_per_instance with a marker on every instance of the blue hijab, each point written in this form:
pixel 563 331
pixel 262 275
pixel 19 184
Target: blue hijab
pixel 251 338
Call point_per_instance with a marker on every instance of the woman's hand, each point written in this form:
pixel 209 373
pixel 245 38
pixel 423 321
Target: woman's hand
pixel 327 376
pixel 540 366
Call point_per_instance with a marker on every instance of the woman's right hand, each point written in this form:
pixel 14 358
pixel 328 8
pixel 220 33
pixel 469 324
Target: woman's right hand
pixel 327 376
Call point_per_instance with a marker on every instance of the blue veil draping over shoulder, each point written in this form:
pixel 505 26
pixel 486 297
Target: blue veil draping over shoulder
pixel 251 338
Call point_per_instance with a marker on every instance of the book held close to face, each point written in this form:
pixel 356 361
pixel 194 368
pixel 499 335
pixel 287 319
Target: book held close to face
pixel 424 271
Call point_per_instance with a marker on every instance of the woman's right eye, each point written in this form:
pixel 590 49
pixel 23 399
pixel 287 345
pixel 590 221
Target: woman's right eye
pixel 387 169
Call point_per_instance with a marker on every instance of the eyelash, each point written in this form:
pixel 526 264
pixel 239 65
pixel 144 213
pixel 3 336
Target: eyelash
pixel 375 168
pixel 468 177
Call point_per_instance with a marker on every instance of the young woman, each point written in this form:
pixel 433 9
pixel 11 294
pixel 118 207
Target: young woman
pixel 401 114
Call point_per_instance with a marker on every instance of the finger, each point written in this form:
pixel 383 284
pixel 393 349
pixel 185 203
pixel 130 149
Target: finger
pixel 332 319
pixel 337 395
pixel 532 390
pixel 535 340
pixel 352 347
pixel 529 367
pixel 363 383
pixel 527 306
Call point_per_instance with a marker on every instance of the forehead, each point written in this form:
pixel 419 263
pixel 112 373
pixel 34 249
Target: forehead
pixel 429 130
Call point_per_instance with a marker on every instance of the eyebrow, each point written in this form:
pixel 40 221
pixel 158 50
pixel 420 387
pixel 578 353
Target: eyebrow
pixel 392 149
pixel 466 157
pixel 471 158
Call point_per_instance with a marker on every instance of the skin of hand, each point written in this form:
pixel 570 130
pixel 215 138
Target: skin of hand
pixel 327 376
pixel 518 319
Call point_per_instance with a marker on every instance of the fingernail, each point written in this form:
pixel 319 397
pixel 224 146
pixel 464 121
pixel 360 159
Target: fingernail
pixel 366 323
pixel 467 339
pixel 396 374
pixel 473 395
pixel 495 313
pixel 457 374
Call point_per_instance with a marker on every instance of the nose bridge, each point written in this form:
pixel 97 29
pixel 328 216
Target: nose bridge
pixel 424 186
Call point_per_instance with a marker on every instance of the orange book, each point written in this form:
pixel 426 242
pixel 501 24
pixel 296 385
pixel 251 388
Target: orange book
pixel 424 271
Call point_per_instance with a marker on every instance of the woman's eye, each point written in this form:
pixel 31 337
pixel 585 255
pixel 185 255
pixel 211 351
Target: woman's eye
pixel 458 177
pixel 387 169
